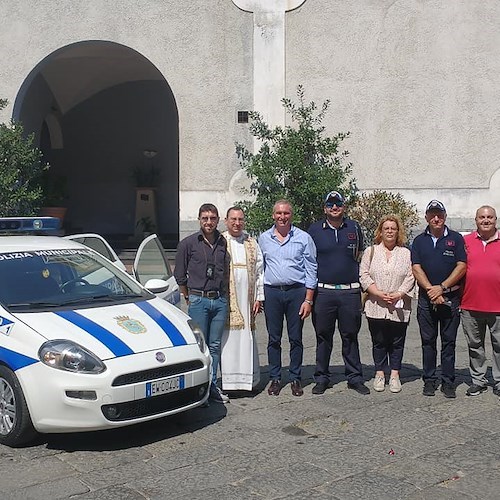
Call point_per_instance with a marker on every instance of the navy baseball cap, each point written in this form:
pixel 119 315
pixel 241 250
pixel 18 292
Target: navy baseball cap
pixel 333 196
pixel 435 205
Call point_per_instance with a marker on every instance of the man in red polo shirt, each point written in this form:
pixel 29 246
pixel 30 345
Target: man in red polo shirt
pixel 481 299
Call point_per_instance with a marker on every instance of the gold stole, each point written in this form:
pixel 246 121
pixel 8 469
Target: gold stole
pixel 235 320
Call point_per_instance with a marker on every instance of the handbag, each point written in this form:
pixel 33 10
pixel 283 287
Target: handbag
pixel 365 294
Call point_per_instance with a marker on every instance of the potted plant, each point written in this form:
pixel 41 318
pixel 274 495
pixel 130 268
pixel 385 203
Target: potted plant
pixel 54 189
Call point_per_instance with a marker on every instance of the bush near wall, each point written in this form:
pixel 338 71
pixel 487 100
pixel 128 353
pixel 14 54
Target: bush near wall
pixel 20 171
pixel 368 209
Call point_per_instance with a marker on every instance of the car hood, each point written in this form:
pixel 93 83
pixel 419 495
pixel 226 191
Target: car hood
pixel 116 330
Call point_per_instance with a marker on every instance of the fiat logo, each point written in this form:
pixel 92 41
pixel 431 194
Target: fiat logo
pixel 160 357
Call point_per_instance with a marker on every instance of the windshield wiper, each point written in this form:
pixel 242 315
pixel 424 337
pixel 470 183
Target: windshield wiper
pixel 33 305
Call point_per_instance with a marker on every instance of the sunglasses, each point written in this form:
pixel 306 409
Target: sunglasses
pixel 337 203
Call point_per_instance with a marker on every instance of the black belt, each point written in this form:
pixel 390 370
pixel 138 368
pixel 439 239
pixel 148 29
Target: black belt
pixel 211 294
pixel 285 288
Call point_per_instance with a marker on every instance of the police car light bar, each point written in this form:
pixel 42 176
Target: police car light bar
pixel 28 224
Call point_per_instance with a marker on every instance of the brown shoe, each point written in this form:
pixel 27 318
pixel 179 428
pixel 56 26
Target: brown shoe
pixel 275 388
pixel 296 388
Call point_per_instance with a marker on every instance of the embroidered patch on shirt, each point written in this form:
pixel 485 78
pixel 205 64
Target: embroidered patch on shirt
pixel 351 236
pixel 450 243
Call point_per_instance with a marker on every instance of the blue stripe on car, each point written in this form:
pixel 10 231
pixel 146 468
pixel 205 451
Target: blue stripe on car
pixel 113 343
pixel 14 360
pixel 173 334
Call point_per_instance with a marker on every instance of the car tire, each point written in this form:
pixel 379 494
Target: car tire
pixel 16 427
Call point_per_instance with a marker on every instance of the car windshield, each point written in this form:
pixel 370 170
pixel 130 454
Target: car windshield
pixel 47 279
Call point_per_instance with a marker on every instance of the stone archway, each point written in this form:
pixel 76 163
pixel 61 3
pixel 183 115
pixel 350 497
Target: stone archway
pixel 97 110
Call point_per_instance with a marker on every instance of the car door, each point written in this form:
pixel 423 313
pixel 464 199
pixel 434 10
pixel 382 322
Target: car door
pixel 151 263
pixel 98 244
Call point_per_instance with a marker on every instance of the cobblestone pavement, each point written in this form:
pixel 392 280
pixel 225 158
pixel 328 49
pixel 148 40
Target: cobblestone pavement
pixel 339 445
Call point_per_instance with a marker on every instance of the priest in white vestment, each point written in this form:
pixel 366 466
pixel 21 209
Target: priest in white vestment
pixel 239 357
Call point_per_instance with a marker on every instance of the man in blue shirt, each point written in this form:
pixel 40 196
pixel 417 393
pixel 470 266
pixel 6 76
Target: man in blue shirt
pixel 339 243
pixel 439 262
pixel 289 282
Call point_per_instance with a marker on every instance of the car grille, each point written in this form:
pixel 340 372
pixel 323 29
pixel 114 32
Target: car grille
pixel 156 373
pixel 154 405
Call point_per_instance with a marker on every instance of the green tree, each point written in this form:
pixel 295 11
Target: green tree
pixel 298 163
pixel 20 171
pixel 369 208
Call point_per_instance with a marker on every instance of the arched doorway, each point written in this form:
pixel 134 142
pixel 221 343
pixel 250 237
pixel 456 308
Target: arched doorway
pixel 105 119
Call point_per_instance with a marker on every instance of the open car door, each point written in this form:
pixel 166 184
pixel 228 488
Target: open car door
pixel 98 244
pixel 152 270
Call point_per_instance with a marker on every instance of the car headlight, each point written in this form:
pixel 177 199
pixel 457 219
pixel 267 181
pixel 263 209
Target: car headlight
pixel 69 356
pixel 198 335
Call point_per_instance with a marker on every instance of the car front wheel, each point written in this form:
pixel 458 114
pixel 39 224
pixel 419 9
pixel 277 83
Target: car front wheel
pixel 16 427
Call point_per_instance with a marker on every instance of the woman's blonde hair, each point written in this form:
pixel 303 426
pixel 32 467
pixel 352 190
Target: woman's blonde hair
pixel 401 240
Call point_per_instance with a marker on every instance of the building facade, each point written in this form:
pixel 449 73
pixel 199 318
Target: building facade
pixel 116 91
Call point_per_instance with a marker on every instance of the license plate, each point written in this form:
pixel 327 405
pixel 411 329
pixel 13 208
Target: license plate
pixel 164 386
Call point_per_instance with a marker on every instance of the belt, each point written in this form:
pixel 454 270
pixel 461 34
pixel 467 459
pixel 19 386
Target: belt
pixel 453 288
pixel 328 286
pixel 212 294
pixel 284 288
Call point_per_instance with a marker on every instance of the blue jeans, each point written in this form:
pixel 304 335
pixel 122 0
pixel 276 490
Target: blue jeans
pixel 210 314
pixel 278 305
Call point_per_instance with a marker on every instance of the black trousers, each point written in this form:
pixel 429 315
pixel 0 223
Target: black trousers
pixel 388 338
pixel 344 307
pixel 444 319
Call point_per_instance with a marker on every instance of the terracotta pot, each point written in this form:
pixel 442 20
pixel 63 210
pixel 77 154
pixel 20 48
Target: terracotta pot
pixel 58 212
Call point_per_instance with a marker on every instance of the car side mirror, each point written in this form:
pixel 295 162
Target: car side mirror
pixel 156 285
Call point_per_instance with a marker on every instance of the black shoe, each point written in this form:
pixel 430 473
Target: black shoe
pixel 475 390
pixel 297 388
pixel 320 388
pixel 429 388
pixel 359 387
pixel 448 390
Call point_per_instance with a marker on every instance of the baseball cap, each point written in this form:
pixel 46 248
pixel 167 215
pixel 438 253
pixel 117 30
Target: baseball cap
pixel 334 196
pixel 435 205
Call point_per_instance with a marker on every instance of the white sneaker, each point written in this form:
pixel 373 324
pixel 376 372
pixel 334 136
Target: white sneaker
pixel 394 384
pixel 217 396
pixel 379 383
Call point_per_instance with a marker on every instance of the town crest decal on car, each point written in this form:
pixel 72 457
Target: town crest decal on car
pixel 6 325
pixel 131 325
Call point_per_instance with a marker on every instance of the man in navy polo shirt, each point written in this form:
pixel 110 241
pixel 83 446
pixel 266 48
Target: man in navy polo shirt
pixel 339 243
pixel 439 263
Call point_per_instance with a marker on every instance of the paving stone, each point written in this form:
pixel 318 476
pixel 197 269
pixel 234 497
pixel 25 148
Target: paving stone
pixel 372 486
pixel 86 461
pixel 113 493
pixel 20 473
pixel 53 490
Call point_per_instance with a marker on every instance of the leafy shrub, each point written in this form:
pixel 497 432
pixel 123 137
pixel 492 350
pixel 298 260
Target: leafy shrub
pixel 369 208
pixel 297 163
pixel 20 171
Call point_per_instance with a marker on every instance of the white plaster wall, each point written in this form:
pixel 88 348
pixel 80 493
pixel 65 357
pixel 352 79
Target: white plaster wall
pixel 416 82
pixel 202 48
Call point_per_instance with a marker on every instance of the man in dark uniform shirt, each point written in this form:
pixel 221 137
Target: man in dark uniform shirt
pixel 439 262
pixel 339 242
pixel 202 272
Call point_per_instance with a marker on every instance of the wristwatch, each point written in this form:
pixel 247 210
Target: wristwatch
pixel 310 302
pixel 444 288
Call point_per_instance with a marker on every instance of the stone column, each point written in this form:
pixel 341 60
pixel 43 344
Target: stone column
pixel 269 55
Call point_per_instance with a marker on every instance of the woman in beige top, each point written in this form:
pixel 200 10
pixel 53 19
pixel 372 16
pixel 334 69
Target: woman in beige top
pixel 385 273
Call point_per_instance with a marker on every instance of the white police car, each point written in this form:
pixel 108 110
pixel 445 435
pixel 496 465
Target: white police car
pixel 83 346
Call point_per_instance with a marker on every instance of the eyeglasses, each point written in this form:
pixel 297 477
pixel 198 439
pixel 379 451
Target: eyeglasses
pixel 206 219
pixel 331 204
